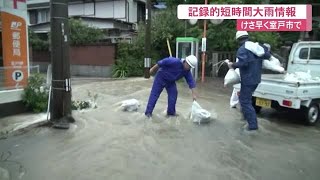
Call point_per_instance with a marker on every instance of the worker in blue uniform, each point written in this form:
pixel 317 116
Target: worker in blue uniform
pixel 169 71
pixel 250 66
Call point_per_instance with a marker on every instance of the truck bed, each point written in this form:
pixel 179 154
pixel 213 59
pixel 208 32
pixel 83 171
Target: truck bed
pixel 279 78
pixel 273 86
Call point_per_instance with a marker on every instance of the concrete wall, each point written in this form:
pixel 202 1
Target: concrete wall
pixel 12 108
pixel 91 60
pixel 91 71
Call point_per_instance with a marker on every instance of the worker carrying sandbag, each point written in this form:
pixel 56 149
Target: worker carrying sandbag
pixel 250 66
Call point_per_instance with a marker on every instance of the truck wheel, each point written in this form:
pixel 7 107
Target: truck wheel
pixel 256 108
pixel 311 114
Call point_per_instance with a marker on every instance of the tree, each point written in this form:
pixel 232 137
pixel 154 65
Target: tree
pixel 80 34
pixel 83 34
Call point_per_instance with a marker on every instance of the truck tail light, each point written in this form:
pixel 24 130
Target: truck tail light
pixel 287 103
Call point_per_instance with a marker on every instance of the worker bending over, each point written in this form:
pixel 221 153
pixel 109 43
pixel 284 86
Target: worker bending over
pixel 170 70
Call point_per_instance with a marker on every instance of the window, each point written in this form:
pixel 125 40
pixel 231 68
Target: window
pixel 314 53
pixel 43 16
pixel 184 49
pixel 32 17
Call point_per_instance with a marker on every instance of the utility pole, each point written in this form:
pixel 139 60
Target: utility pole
pixel 61 84
pixel 147 48
pixel 204 44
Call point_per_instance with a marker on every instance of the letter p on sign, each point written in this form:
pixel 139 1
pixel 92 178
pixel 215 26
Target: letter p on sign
pixel 17 75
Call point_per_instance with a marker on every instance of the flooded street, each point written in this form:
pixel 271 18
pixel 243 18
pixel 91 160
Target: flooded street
pixel 106 143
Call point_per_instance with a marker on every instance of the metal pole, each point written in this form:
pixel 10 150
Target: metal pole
pixel 147 59
pixel 204 52
pixel 61 85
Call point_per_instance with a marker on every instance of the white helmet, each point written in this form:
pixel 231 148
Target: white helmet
pixel 241 34
pixel 192 61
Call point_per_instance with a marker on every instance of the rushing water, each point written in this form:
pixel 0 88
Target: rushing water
pixel 107 143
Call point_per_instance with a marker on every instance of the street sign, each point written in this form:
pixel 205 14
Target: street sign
pixel 17 75
pixel 204 44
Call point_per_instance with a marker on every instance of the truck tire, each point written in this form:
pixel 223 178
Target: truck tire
pixel 311 114
pixel 256 108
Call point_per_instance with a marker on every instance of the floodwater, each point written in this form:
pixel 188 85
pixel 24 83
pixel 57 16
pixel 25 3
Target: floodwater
pixel 106 143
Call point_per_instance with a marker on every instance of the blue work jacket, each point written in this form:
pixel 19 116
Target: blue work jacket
pixel 171 69
pixel 250 65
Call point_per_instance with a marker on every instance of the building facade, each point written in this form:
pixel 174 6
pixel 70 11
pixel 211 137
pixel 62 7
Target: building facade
pixel 119 18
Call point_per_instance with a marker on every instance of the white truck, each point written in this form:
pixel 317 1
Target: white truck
pixel 275 92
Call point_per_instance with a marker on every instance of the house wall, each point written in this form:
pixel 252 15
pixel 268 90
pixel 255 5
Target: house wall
pixel 98 23
pixel 133 11
pixel 91 60
pixel 81 9
pixel 107 9
pixel 111 9
pixel 125 10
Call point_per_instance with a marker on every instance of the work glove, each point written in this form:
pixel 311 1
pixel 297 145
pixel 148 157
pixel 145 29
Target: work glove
pixel 230 65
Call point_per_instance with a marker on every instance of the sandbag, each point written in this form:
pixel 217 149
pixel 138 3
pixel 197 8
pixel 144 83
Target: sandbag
pixel 266 64
pixel 234 100
pixel 199 115
pixel 231 78
pixel 130 105
pixel 275 61
pixel 237 70
pixel 255 48
pixel 301 76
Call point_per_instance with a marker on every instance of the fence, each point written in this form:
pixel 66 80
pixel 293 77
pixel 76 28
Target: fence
pixel 87 60
pixel 15 77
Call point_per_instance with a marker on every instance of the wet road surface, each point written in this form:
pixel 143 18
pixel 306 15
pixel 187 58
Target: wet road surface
pixel 106 143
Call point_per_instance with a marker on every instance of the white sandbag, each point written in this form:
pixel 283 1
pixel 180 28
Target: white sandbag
pixel 275 61
pixel 234 100
pixel 231 78
pixel 130 105
pixel 237 70
pixel 266 64
pixel 199 115
pixel 255 48
pixel 300 76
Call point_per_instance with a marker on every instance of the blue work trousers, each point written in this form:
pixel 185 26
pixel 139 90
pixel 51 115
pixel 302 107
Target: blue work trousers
pixel 158 86
pixel 247 108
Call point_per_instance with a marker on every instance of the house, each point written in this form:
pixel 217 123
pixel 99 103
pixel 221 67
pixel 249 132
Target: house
pixel 119 18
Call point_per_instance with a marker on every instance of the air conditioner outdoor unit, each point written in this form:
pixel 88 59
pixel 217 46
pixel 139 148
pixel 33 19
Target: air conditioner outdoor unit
pixel 135 26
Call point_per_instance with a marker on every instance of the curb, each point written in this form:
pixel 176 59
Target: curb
pixel 22 127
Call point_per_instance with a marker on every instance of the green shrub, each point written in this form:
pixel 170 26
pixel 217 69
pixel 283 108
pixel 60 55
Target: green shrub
pixel 120 69
pixel 130 58
pixel 79 105
pixel 37 43
pixel 36 95
pixel 81 33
